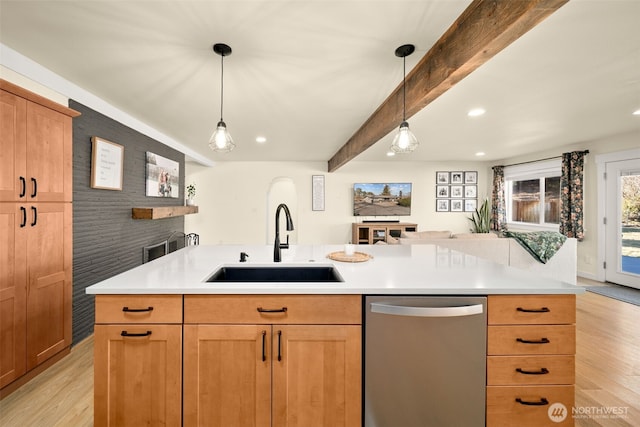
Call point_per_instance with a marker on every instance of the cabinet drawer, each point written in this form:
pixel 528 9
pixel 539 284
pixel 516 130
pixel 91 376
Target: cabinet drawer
pixel 530 370
pixel 531 339
pixel 503 410
pixel 531 309
pixel 273 309
pixel 139 309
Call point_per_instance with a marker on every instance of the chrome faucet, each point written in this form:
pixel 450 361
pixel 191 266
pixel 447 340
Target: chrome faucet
pixel 277 245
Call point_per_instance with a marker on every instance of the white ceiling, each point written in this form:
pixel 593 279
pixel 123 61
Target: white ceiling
pixel 307 74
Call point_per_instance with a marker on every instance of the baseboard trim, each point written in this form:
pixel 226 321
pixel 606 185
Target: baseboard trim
pixel 19 382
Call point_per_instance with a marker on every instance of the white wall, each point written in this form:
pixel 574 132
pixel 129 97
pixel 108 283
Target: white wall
pixel 232 199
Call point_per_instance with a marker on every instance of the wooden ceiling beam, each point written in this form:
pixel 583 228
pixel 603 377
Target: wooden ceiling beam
pixel 480 32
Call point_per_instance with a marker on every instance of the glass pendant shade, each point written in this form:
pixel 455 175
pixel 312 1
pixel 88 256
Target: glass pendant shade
pixel 221 140
pixel 405 141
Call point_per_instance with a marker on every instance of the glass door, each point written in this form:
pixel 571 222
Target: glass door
pixel 622 229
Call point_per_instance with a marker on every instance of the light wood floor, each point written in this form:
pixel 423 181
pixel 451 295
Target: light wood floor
pixel 607 374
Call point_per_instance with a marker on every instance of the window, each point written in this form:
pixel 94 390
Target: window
pixel 532 194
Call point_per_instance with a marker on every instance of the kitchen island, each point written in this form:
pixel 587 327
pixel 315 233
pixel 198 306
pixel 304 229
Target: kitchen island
pixel 174 348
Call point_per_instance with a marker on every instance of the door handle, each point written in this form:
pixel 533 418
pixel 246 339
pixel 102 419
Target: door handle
pixel 23 186
pixel 264 345
pixel 279 346
pixel 34 210
pixel 23 211
pixel 34 193
pixel 403 310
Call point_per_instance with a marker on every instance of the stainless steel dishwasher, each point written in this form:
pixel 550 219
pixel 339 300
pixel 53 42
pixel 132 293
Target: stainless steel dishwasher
pixel 425 361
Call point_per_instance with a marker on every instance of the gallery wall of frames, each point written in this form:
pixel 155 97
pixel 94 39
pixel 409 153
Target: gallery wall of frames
pixel 456 191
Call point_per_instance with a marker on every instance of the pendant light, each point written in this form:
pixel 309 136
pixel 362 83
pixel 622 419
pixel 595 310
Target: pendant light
pixel 221 140
pixel 404 141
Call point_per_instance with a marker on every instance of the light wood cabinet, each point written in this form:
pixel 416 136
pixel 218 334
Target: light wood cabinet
pixel 531 344
pixel 36 148
pixel 290 360
pixel 138 360
pixel 369 233
pixel 36 233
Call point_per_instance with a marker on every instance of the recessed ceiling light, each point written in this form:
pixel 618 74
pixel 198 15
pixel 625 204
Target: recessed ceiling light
pixel 476 112
pixel 261 139
pixel 480 153
pixel 390 153
pixel 636 113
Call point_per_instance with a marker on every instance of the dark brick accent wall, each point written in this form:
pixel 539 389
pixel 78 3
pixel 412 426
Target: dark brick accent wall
pixel 106 241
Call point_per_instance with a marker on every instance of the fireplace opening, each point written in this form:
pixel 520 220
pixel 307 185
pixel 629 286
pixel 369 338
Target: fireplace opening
pixel 155 251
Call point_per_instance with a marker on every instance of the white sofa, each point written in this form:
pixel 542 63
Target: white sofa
pixel 507 251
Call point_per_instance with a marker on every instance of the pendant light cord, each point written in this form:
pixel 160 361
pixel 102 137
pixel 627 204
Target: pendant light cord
pixel 404 88
pixel 221 84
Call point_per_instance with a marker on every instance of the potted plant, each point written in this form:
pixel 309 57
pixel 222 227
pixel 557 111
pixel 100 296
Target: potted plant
pixel 481 218
pixel 191 193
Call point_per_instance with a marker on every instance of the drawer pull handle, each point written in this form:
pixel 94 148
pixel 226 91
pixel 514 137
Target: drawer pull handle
pixel 136 310
pixel 542 371
pixel 534 310
pixel 543 401
pixel 264 349
pixel 540 341
pixel 131 334
pixel 272 310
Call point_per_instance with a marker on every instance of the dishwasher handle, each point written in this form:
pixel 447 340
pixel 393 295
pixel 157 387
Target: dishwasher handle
pixel 403 310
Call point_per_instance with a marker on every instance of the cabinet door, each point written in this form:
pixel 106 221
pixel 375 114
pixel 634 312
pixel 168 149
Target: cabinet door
pixel 13 294
pixel 13 113
pixel 227 375
pixel 49 155
pixel 137 375
pixel 317 381
pixel 49 261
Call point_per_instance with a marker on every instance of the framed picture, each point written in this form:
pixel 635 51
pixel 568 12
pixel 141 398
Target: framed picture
pixel 106 164
pixel 163 176
pixel 457 177
pixel 470 205
pixel 317 192
pixel 442 178
pixel 456 191
pixel 471 177
pixel 456 205
pixel 442 191
pixel 470 191
pixel 442 205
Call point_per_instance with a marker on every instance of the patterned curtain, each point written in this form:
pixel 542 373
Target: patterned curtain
pixel 498 205
pixel 571 194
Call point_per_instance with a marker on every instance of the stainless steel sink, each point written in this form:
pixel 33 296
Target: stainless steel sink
pixel 279 273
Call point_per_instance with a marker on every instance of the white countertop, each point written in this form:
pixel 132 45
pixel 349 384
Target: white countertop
pixel 394 269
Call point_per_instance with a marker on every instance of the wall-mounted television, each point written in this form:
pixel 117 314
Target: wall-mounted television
pixel 382 199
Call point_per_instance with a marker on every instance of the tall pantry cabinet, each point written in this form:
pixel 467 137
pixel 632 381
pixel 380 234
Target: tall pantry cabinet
pixel 35 233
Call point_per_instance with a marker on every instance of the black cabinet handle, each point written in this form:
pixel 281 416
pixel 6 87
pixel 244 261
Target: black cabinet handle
pixel 35 216
pixel 540 341
pixel 272 310
pixel 23 186
pixel 279 346
pixel 264 344
pixel 542 371
pixel 23 210
pixel 34 193
pixel 136 310
pixel 130 334
pixel 543 401
pixel 534 310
